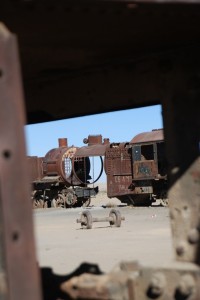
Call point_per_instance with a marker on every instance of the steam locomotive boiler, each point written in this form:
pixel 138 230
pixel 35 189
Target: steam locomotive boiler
pixel 62 177
pixel 137 171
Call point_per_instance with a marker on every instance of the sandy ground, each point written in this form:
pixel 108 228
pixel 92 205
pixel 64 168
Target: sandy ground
pixel 62 244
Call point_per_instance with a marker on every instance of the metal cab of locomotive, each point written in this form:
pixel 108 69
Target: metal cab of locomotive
pixel 136 171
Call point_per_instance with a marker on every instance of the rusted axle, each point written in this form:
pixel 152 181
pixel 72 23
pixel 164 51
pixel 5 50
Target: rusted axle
pixel 87 220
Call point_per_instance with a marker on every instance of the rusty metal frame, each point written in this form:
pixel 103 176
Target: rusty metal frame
pixel 18 265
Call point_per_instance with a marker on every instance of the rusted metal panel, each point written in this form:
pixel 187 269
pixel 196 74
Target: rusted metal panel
pixel 145 170
pixel 145 137
pixel 35 167
pixel 139 69
pixel 119 185
pixel 137 172
pixel 182 134
pixel 17 235
pixel 118 168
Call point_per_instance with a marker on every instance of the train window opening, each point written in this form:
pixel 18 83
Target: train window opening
pixel 147 152
pixel 96 169
pixel 82 168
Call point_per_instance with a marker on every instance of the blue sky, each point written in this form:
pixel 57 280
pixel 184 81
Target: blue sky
pixel 120 126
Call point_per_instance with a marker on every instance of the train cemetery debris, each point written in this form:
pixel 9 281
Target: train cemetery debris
pixel 87 220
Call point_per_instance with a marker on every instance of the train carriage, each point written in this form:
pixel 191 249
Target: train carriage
pixel 137 171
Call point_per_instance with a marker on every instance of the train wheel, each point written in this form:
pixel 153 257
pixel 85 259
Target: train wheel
pixel 86 220
pixel 115 214
pixel 82 202
pixel 38 203
pixel 46 204
pixel 70 199
pixel 164 202
pixel 58 201
pixel 86 202
pixel 53 203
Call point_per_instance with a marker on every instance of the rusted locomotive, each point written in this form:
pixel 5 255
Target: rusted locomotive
pixel 62 177
pixel 137 171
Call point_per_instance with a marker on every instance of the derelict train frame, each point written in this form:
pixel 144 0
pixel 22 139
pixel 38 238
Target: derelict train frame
pixel 137 171
pixel 62 177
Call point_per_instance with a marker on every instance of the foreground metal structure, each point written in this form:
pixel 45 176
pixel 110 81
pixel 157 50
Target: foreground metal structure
pixel 17 240
pixel 155 63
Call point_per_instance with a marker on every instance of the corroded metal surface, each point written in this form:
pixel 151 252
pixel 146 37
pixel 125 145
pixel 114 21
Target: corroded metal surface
pixel 62 176
pixel 96 147
pixel 182 148
pixel 57 162
pixel 137 172
pixel 145 137
pixel 93 150
pixel 17 237
pixel 107 67
pixel 185 214
pixel 130 281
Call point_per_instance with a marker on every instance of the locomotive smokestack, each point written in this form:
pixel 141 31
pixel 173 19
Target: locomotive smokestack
pixel 62 142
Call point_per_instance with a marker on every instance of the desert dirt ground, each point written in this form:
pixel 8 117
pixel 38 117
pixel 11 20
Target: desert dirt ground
pixel 62 244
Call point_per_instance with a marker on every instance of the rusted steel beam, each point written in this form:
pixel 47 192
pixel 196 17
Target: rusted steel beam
pixel 130 281
pixel 182 134
pixel 18 259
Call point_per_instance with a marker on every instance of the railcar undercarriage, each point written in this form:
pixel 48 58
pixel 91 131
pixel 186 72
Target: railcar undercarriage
pixel 62 196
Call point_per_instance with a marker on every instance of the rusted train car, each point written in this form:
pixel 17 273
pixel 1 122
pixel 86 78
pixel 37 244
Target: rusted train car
pixel 62 177
pixel 137 171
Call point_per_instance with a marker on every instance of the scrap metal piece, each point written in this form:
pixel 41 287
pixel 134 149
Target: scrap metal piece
pixel 87 220
pixel 112 286
pixel 135 282
pixel 51 282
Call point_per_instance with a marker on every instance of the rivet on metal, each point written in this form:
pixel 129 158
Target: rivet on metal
pixel 6 154
pixel 175 170
pixel 173 214
pixel 157 285
pixel 180 249
pixel 186 286
pixel 193 236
